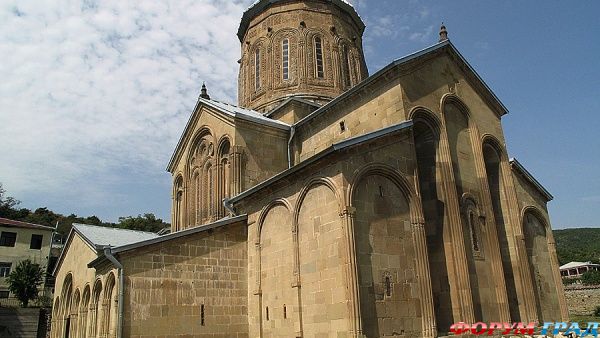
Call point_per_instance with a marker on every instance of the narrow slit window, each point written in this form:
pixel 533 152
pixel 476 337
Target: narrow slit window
pixel 474 237
pixel 284 312
pixel 202 315
pixel 286 59
pixel 267 313
pixel 388 286
pixel 342 126
pixel 257 69
pixel 320 71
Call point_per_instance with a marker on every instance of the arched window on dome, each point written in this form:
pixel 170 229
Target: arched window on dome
pixel 285 46
pixel 319 69
pixel 257 69
pixel 346 65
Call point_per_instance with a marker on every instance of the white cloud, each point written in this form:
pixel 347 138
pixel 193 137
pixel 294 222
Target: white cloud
pixel 91 90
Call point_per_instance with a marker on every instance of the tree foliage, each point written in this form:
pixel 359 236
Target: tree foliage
pixel 25 280
pixel 591 278
pixel 44 216
pixel 578 245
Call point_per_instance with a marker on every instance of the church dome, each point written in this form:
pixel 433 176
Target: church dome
pixel 311 49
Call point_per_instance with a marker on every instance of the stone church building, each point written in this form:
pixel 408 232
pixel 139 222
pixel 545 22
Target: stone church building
pixel 327 203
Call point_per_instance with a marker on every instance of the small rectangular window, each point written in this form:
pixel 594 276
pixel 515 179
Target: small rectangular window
pixel 8 238
pixel 5 269
pixel 4 294
pixel 286 59
pixel 36 242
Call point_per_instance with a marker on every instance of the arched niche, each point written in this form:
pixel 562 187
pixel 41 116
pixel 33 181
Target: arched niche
pixel 178 208
pixel 67 296
pixel 321 257
pixel 109 316
pixel 535 232
pixel 95 313
pixel 82 327
pixel 276 268
pixel 426 132
pixel 385 255
pixel 461 132
pixel 495 159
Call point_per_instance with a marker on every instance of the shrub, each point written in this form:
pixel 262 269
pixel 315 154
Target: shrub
pixel 597 311
pixel 591 278
pixel 569 281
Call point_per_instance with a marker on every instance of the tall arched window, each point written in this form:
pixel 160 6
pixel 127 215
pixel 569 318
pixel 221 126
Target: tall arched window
pixel 286 59
pixel 207 200
pixel 257 69
pixel 223 176
pixel 320 71
pixel 178 212
pixel 197 198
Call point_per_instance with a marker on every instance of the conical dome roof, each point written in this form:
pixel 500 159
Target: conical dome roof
pixel 260 5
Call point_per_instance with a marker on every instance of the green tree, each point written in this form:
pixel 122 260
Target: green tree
pixel 148 222
pixel 591 278
pixel 25 280
pixel 8 206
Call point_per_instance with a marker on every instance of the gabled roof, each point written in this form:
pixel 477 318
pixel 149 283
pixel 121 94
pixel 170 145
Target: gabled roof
pixel 151 241
pixel 18 224
pixel 260 5
pixel 217 224
pixel 444 46
pixel 228 110
pixel 350 142
pixel 98 238
pixel 293 98
pixel 245 114
pixel 519 168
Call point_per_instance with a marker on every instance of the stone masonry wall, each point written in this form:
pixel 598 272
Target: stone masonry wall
pixel 194 286
pixel 582 301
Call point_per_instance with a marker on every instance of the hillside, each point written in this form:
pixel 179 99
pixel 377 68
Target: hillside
pixel 580 245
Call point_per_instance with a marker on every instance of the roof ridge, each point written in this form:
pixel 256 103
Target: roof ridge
pixel 236 106
pixel 26 223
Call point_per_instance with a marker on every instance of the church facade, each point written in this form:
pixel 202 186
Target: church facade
pixel 331 203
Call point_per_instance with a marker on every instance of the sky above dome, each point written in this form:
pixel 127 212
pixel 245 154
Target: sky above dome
pixel 94 95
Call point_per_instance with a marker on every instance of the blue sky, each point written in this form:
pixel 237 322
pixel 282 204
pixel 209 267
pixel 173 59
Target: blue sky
pixel 94 95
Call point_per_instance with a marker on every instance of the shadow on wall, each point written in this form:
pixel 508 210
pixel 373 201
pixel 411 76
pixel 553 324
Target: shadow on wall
pixel 19 323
